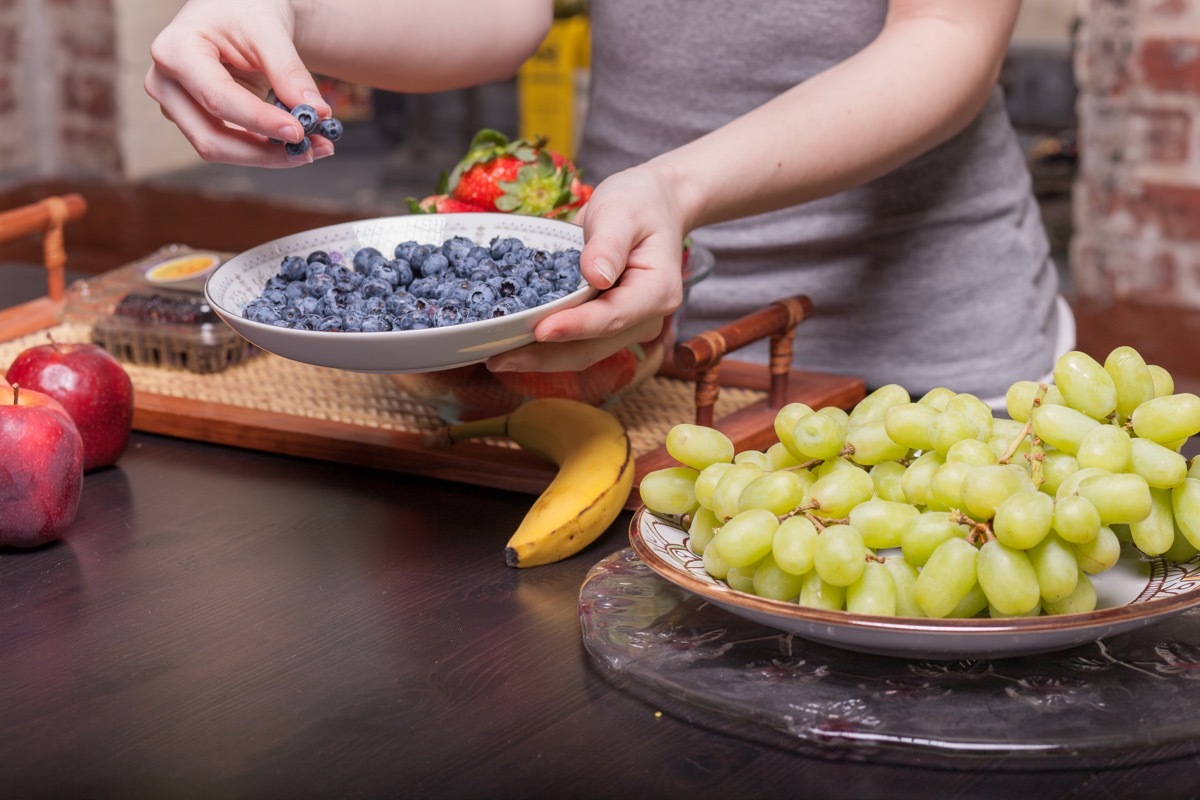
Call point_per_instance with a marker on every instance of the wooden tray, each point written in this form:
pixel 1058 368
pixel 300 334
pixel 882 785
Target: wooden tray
pixel 280 406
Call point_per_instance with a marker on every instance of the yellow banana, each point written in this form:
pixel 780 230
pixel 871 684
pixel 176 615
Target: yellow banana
pixel 595 474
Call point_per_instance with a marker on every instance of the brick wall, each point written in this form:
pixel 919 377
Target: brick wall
pixel 1137 196
pixel 16 152
pixel 58 90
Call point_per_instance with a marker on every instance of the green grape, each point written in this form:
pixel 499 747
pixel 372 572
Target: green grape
pixel 671 490
pixel 871 445
pixel 706 483
pixel 1081 599
pixel 837 492
pixel 1085 384
pixel 1056 467
pixel 925 533
pixel 1105 446
pixel 1070 484
pixel 904 580
pixel 951 427
pixel 698 446
pixel 772 582
pixel 794 544
pixel 701 530
pixel 972 451
pixel 1131 377
pixel 887 478
pixel 820 436
pixel 836 412
pixel 1008 428
pixel 840 555
pixel 1181 549
pixel 777 492
pixel 937 397
pixel 1007 578
pixel 985 488
pixel 833 465
pixel 785 424
pixel 741 578
pixel 1100 553
pixel 746 538
pixel 1001 445
pixel 996 613
pixel 1122 497
pixel 873 593
pixel 917 481
pixel 1167 419
pixel 908 424
pixel 728 490
pixel 881 521
pixel 1056 566
pixel 874 406
pixel 1193 470
pixel 816 593
pixel 1018 401
pixel 1156 533
pixel 1062 427
pixel 974 408
pixel 1164 384
pixel 755 457
pixel 1159 465
pixel 1185 502
pixel 971 605
pixel 779 457
pixel 946 485
pixel 1023 519
pixel 947 577
pixel 714 565
pixel 1076 520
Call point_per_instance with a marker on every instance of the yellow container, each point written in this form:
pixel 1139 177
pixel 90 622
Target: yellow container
pixel 552 86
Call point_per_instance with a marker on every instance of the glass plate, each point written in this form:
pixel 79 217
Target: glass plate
pixel 1137 591
pixel 1128 699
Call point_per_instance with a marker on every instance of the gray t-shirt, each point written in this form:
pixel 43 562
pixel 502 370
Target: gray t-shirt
pixel 937 274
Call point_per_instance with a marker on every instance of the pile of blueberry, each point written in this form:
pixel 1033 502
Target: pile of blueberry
pixel 164 308
pixel 420 286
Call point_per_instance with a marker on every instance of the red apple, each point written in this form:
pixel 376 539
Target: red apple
pixel 41 467
pixel 91 385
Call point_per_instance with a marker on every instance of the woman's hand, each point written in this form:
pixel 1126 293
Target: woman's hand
pixel 633 253
pixel 212 68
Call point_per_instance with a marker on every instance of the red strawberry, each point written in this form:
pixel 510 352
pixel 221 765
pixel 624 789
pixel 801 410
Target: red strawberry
pixel 441 204
pixel 518 176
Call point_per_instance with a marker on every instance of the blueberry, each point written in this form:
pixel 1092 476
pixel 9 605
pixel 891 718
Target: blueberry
pixel 293 268
pixel 404 250
pixel 294 290
pixel 318 255
pixel 375 323
pixel 529 297
pixel 482 293
pixel 306 115
pixel 540 285
pixel 319 283
pixel 510 286
pixel 330 324
pixel 316 268
pixel 424 288
pixel 298 148
pixel 387 273
pixel 505 306
pixel 365 258
pixel 375 305
pixel 398 303
pixel 501 246
pixel 376 287
pixel 447 316
pixel 265 315
pixel 308 304
pixel 434 264
pixel 330 128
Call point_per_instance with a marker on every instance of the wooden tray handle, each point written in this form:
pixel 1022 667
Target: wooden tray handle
pixel 701 355
pixel 46 216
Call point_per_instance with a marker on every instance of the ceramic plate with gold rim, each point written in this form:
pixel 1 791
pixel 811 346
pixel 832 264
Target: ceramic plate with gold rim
pixel 1136 592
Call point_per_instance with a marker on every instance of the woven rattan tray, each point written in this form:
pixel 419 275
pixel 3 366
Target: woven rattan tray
pixel 273 404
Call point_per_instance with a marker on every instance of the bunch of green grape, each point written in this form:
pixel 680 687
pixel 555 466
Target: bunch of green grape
pixel 939 508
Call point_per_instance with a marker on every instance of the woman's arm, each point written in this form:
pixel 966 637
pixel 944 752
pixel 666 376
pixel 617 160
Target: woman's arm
pixel 212 65
pixel 923 79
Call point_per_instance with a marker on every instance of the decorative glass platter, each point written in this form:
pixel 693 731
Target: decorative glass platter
pixel 1127 698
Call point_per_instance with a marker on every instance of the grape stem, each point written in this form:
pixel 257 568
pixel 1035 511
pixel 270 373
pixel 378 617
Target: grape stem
pixel 980 533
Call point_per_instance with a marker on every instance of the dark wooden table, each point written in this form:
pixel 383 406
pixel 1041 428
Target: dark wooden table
pixel 232 624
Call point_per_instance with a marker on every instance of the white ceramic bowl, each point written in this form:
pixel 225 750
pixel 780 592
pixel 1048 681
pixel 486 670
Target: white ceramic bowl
pixel 242 278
